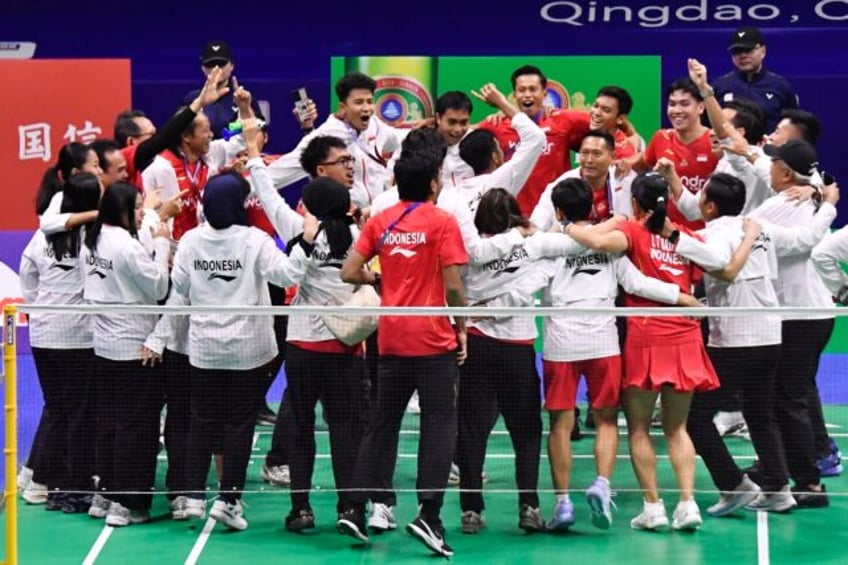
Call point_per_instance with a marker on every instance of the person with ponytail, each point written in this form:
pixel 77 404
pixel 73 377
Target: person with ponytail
pixel 664 356
pixel 120 271
pixel 225 262
pixel 320 366
pixel 62 344
pixel 73 158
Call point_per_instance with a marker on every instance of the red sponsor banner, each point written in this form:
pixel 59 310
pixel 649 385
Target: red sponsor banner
pixel 46 104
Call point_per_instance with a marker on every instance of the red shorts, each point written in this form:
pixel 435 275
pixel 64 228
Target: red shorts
pixel 603 379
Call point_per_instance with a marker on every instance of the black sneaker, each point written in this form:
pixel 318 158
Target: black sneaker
pixel 299 520
pixel 55 500
pixel 433 536
pixel 266 416
pixel 807 498
pixel 77 503
pixel 351 522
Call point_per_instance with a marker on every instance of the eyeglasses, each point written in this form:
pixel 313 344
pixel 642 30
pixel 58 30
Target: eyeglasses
pixel 347 161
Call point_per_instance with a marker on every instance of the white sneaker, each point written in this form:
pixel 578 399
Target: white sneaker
pixel 277 475
pixel 453 477
pixel 780 501
pixel 35 493
pixel 24 477
pixel 119 516
pixel 382 517
pixel 687 516
pixel 413 407
pixel 653 517
pixel 729 502
pixel 728 422
pixel 185 508
pixel 229 514
pixel 99 506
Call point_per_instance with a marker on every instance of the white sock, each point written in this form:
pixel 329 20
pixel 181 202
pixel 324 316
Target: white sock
pixel 603 480
pixel 657 506
pixel 562 498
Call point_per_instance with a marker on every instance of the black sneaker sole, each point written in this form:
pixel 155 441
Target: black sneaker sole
pixel 424 537
pixel 348 528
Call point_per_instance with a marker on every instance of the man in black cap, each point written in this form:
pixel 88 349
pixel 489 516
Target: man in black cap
pixel 751 80
pixel 218 54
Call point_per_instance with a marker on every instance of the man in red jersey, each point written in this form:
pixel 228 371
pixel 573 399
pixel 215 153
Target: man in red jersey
pixel 564 130
pixel 687 144
pixel 609 113
pixel 421 251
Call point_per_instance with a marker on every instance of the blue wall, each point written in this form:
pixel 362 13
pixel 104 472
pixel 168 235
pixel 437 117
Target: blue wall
pixel 289 45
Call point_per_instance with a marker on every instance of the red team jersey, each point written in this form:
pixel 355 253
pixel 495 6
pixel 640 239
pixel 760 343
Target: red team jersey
pixel 413 251
pixel 655 257
pixel 564 130
pixel 694 164
pixel 623 147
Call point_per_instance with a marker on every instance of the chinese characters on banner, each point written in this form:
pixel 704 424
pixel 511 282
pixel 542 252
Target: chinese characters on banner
pixel 46 105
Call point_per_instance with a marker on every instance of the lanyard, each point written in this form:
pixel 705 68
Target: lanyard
pixel 193 178
pixel 394 224
pixel 375 156
pixel 595 217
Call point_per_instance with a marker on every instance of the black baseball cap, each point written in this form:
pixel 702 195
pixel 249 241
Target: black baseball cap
pixel 216 52
pixel 798 155
pixel 746 38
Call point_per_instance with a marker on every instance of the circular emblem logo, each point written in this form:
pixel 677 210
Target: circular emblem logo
pixel 401 99
pixel 557 95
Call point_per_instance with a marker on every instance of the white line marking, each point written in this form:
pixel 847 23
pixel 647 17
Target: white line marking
pixel 491 456
pixel 201 542
pixel 95 550
pixel 762 539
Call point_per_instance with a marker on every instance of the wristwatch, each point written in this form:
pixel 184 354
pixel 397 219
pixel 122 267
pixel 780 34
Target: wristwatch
pixel 673 237
pixel 707 92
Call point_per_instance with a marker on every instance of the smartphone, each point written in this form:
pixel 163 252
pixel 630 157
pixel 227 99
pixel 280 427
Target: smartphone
pixel 301 102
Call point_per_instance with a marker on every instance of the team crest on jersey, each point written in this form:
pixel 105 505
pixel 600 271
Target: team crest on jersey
pixel 556 95
pixel 401 99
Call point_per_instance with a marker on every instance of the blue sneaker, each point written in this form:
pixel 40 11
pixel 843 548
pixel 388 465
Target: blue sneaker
pixel 599 497
pixel 833 447
pixel 830 466
pixel 563 517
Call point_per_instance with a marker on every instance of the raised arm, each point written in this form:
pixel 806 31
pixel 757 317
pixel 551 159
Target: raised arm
pixel 827 256
pixel 610 242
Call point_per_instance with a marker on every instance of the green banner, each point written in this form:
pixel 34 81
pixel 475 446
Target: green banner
pixel 404 83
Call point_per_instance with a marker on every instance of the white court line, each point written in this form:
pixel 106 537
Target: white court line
pixel 504 433
pixel 488 456
pixel 762 538
pixel 201 542
pixel 95 550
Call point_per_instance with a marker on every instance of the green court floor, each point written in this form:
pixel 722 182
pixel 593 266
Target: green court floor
pixel 809 536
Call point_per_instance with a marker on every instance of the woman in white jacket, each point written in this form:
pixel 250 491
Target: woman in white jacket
pixel 227 263
pixel 62 346
pixel 319 365
pixel 119 271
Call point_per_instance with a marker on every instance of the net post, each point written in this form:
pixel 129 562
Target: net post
pixel 10 496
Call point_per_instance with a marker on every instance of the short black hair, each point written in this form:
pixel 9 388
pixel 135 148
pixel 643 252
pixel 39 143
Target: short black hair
pixel 476 149
pixel 759 129
pixel 102 147
pixel 573 197
pixel 453 100
pixel 686 85
pixel 125 126
pixel 424 140
pixel 414 174
pixel 625 101
pixel 746 120
pixel 352 81
pixel 727 192
pixel 807 122
pixel 316 152
pixel 609 140
pixel 528 70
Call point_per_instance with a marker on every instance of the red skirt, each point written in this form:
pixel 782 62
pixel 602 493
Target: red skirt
pixel 685 367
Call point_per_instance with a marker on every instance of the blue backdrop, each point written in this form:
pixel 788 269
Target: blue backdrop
pixel 282 46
